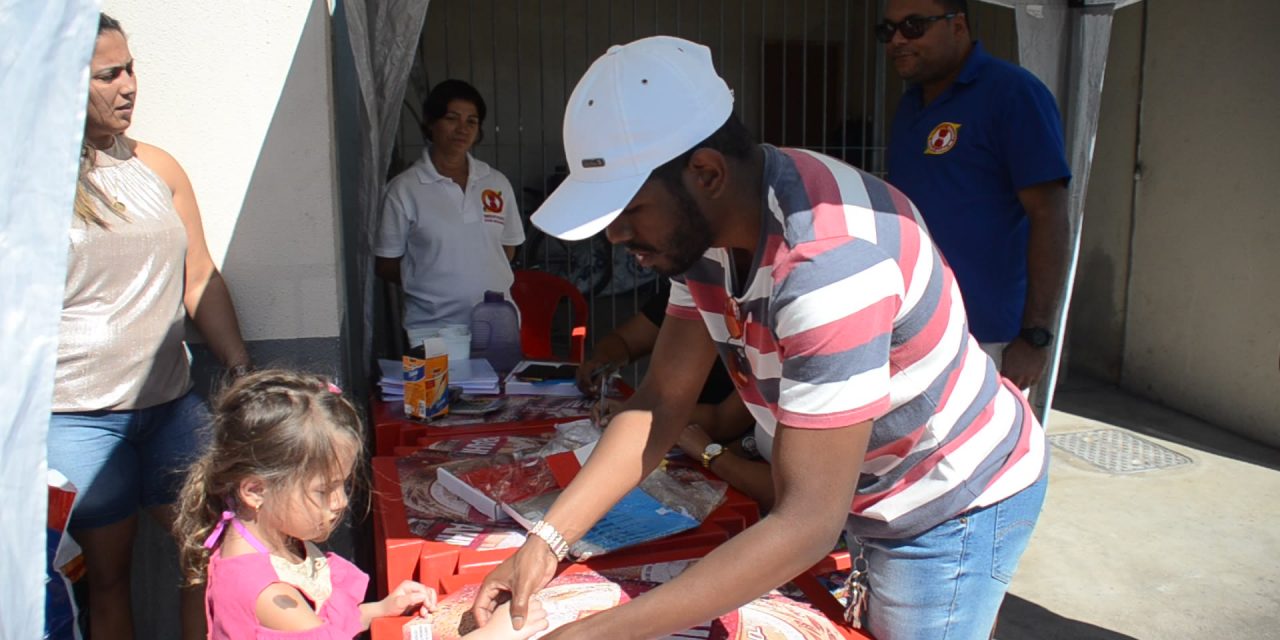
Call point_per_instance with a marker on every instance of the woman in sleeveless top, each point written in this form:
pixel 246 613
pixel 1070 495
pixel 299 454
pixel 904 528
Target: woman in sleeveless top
pixel 125 420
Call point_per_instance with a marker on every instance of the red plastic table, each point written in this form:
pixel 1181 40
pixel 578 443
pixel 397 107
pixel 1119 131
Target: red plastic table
pixel 400 555
pixel 392 429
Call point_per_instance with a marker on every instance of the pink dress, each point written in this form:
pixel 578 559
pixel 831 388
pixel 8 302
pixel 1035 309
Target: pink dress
pixel 235 583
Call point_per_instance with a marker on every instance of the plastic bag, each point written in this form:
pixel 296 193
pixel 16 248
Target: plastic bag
pixel 65 563
pixel 426 500
pixel 523 485
pixel 487 483
pixel 663 505
pixel 686 490
pixel 570 436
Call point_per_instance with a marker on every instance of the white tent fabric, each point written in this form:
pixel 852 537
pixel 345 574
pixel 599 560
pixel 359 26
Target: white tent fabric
pixel 45 49
pixel 384 36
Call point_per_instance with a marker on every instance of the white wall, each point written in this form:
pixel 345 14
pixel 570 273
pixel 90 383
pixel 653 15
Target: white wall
pixel 239 92
pixel 1203 330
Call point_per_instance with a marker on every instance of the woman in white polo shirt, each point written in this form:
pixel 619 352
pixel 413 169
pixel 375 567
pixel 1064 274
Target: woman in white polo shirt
pixel 449 223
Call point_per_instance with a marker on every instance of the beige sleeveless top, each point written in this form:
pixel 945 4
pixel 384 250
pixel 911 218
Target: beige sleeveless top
pixel 120 344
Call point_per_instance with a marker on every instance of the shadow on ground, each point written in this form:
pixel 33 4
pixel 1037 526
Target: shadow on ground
pixel 1025 620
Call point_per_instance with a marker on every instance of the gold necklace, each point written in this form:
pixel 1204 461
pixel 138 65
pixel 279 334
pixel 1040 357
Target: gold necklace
pixel 116 205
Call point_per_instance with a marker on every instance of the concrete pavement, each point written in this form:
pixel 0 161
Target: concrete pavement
pixel 1190 551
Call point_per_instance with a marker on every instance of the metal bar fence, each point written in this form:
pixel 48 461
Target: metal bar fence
pixel 851 85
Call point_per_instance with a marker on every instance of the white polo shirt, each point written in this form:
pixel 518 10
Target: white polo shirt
pixel 450 242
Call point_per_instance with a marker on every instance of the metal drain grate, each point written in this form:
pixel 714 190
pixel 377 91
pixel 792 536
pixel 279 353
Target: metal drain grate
pixel 1116 451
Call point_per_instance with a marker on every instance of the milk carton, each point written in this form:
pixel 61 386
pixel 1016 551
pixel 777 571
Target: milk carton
pixel 426 381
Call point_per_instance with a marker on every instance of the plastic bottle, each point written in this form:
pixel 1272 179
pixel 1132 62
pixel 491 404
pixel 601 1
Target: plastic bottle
pixel 495 332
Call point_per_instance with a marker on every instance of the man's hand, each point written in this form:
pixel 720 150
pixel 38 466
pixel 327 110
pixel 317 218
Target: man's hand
pixel 1024 364
pixel 595 370
pixel 693 441
pixel 603 412
pixel 521 575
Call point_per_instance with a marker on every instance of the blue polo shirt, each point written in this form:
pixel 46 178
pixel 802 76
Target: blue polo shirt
pixel 962 160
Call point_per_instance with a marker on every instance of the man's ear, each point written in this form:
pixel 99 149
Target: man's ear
pixel 252 492
pixel 708 172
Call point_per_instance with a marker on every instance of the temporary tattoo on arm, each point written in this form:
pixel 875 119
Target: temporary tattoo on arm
pixel 285 602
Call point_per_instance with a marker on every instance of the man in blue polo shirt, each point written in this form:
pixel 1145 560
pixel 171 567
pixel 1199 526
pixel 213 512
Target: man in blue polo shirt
pixel 977 145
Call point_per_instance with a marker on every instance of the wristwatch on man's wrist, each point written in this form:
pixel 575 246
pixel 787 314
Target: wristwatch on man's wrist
pixel 749 445
pixel 713 451
pixel 559 546
pixel 1038 337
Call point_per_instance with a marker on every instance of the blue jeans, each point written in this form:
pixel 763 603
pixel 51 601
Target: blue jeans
pixel 948 582
pixel 120 460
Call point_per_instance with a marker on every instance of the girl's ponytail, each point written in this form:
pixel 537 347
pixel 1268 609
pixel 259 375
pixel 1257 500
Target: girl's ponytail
pixel 199 510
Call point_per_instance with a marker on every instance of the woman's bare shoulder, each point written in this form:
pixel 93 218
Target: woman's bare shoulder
pixel 159 161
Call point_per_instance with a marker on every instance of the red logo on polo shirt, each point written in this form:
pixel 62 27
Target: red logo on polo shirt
pixel 492 201
pixel 942 138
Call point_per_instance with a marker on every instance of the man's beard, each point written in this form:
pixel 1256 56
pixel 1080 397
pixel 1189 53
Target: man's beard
pixel 690 239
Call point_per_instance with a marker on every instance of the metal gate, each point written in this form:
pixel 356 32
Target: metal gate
pixel 805 73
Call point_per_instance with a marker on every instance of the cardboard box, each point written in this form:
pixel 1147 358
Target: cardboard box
pixel 426 384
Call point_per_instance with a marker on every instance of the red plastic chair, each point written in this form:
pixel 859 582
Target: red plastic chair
pixel 538 294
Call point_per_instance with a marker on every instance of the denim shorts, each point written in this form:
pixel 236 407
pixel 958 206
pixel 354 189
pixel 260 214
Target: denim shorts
pixel 948 582
pixel 121 460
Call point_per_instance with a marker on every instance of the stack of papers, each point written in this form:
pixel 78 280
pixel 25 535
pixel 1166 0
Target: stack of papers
pixel 474 377
pixel 391 380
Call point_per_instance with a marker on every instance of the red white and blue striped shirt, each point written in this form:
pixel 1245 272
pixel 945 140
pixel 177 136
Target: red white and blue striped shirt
pixel 849 314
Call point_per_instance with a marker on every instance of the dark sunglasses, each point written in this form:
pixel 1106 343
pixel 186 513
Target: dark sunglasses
pixel 911 27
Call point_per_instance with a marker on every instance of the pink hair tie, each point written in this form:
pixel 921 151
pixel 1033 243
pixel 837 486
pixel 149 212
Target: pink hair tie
pixel 333 388
pixel 212 540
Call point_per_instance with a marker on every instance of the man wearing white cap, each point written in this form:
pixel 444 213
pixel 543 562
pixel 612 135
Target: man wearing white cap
pixel 845 335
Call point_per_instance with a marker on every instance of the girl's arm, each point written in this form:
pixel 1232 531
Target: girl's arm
pixel 411 594
pixel 282 607
pixel 408 596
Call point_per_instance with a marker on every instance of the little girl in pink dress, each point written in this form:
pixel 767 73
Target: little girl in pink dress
pixel 274 482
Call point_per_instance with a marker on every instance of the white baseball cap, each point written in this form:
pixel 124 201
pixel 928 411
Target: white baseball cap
pixel 637 107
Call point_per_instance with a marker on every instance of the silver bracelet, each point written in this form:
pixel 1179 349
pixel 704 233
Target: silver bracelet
pixel 548 534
